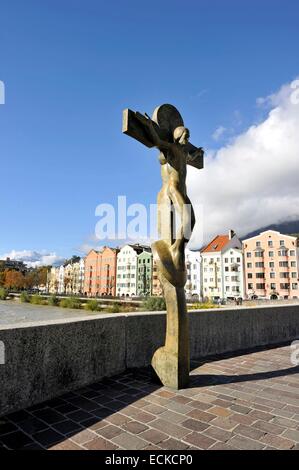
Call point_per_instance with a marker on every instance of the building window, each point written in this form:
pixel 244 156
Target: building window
pixel 249 275
pixel 281 242
pixel 270 243
pixel 249 265
pixel 260 286
pixel 248 254
pixel 271 254
pixel 294 274
pixel 259 264
pixel 293 264
pixel 250 285
pixel 284 275
pixel 273 285
pixel 271 264
pixel 260 275
pixel 272 275
pixel 258 244
pixel 285 286
pixel 295 286
pixel 283 264
pixel 238 260
pixel 258 254
pixel 283 253
pixel 292 253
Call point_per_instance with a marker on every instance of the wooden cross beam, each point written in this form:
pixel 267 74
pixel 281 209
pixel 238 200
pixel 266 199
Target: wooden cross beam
pixel 165 119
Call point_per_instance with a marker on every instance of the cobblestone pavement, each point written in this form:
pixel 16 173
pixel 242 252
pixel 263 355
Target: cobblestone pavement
pixel 249 401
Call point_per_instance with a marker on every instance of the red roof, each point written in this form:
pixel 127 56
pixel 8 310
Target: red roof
pixel 217 244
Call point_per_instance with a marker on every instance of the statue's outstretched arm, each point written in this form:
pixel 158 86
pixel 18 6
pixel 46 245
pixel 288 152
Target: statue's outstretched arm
pixel 159 143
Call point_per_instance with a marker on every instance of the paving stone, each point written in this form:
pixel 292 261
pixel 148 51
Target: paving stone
pixel 244 443
pixel 242 419
pixel 48 437
pixel 16 440
pixel 268 427
pixel 278 442
pixel 257 414
pixel 6 427
pixel 173 444
pixel 100 444
pixel 154 436
pixel 201 415
pixel 172 417
pixel 179 407
pixel 134 427
pixel 182 400
pixel 240 409
pixel 221 446
pixel 291 434
pixel 249 431
pixel 286 422
pixel 197 404
pixel 32 425
pixel 199 440
pixel 66 427
pixel 130 442
pixel 83 436
pixel 66 408
pixel 173 430
pixel 217 433
pixel 109 431
pixel 66 445
pixel 19 416
pixel 79 415
pixel 224 423
pixel 144 417
pixel 220 411
pixel 118 419
pixel 195 425
pixel 154 409
pixel 49 415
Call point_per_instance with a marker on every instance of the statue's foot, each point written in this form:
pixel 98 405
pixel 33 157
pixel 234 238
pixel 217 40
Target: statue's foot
pixel 171 371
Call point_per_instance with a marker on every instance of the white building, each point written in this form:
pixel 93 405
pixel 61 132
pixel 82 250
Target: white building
pixel 222 268
pixel 193 266
pixel 74 277
pixel 126 277
pixel 61 286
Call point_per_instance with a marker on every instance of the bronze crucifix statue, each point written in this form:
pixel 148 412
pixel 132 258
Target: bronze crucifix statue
pixel 167 132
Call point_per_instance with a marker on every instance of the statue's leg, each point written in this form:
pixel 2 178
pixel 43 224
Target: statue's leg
pixel 172 361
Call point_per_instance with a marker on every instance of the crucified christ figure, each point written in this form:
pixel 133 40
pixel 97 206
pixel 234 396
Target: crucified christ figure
pixel 167 132
pixel 173 159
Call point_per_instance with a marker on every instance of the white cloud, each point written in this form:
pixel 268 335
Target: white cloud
pixel 253 181
pixel 34 259
pixel 218 133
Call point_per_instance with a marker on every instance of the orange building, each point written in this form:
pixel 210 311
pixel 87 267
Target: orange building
pixel 100 272
pixel 271 266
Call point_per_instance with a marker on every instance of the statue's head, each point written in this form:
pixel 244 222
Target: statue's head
pixel 181 135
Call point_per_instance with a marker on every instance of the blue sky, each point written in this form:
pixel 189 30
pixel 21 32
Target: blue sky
pixel 71 66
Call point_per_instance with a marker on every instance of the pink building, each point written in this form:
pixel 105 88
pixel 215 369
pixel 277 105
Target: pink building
pixel 100 272
pixel 271 266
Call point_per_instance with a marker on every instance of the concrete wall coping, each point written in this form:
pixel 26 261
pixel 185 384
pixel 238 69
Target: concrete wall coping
pixel 101 316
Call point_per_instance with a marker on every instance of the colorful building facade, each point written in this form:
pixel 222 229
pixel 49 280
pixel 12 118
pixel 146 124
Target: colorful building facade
pixel 271 266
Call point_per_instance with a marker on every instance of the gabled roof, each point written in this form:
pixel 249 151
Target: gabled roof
pixel 217 244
